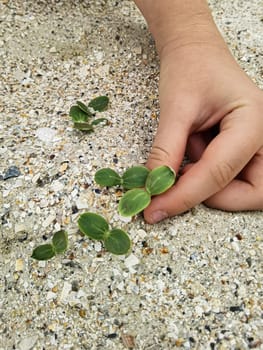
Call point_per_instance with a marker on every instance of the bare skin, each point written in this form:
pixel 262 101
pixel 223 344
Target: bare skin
pixel 209 110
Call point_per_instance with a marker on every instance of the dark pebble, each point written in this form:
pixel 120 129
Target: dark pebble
pixel 75 286
pixel 236 308
pixel 169 269
pixel 112 335
pixel 249 261
pixel 13 171
pixel 74 209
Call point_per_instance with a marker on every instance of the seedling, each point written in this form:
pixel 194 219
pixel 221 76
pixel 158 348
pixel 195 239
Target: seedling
pixel 134 177
pixel 81 114
pixel 158 181
pixel 96 227
pixel 58 245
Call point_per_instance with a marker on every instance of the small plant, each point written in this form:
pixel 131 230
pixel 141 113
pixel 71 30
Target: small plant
pixel 135 200
pixel 58 245
pixel 81 114
pixel 132 178
pixel 96 227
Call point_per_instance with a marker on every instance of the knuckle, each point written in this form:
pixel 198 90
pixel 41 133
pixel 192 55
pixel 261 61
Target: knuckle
pixel 187 204
pixel 222 174
pixel 160 155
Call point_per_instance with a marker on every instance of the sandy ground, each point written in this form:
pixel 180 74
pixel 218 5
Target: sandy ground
pixel 191 282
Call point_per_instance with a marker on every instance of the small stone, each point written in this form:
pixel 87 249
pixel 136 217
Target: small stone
pixel 12 171
pixel 103 70
pixel 57 186
pixel 42 264
pixel 131 261
pixel 128 341
pixel 20 228
pixel 28 343
pixel 51 295
pixel 19 265
pixel 53 49
pixel 82 313
pixel 98 246
pixel 141 233
pixel 63 167
pixel 47 135
pixel 64 297
pixel 82 203
pixel 49 220
pixel 137 50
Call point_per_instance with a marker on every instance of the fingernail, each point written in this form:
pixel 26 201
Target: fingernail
pixel 157 216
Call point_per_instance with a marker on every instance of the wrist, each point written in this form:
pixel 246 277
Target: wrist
pixel 174 23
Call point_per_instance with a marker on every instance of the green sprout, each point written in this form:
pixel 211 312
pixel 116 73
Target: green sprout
pixel 47 251
pixel 135 200
pixel 81 114
pixel 96 227
pixel 134 177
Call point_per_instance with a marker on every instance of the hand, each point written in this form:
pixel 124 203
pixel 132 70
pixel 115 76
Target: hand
pixel 210 110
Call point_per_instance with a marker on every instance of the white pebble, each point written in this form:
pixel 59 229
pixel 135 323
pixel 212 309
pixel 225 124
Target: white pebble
pixel 57 186
pixel 64 297
pixel 20 227
pixel 131 261
pixel 97 246
pixel 51 295
pixel 49 220
pixel 141 234
pixel 53 49
pixel 27 343
pixel 47 135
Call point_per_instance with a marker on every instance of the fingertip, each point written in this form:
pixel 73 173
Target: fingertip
pixel 155 216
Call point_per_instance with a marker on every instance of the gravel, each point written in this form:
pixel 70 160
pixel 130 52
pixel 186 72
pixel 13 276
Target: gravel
pixel 191 282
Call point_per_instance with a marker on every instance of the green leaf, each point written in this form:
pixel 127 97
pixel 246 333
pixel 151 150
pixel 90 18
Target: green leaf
pixel 84 127
pixel 99 103
pixel 78 115
pixel 135 177
pixel 133 202
pixel 43 252
pixel 117 242
pixel 93 225
pixel 107 177
pixel 60 241
pixel 160 180
pixel 84 108
pixel 99 120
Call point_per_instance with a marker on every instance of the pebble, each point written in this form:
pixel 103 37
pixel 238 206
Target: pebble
pixel 12 171
pixel 28 343
pixel 131 261
pixel 47 135
pixel 20 227
pixel 64 296
pixel 53 49
pixel 19 265
pixel 137 50
pixel 49 220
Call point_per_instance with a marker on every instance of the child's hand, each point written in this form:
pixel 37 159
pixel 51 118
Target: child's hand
pixel 212 111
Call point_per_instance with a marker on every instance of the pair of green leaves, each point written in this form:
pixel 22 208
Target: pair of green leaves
pixel 142 184
pixel 158 181
pixel 81 114
pixel 96 227
pixel 47 251
pixel 133 177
